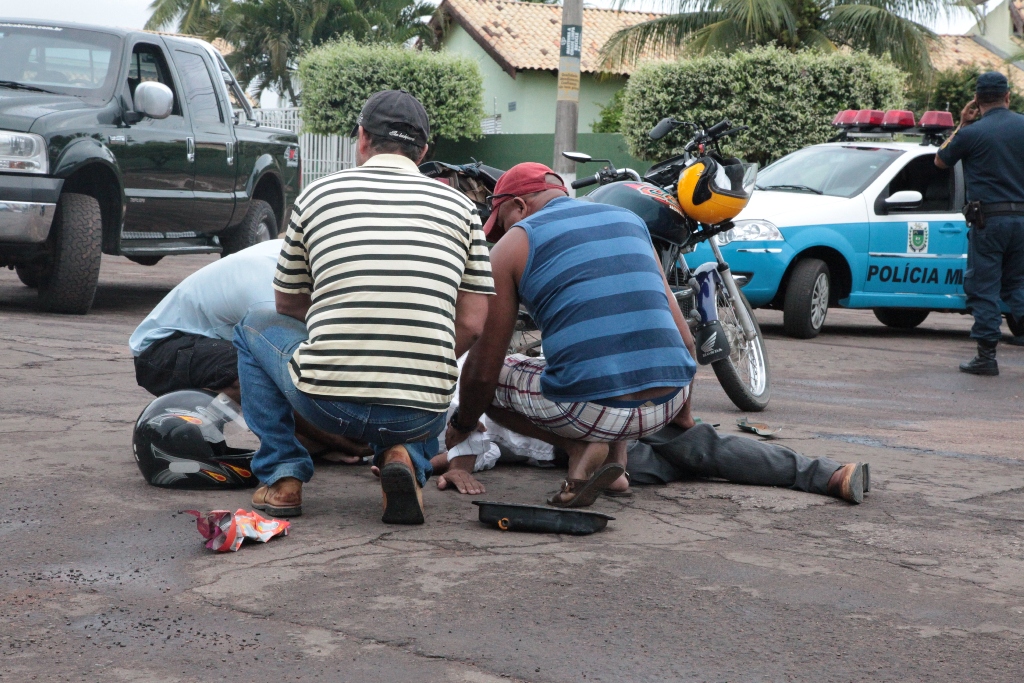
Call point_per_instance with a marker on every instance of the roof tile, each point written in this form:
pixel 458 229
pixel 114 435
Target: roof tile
pixel 526 35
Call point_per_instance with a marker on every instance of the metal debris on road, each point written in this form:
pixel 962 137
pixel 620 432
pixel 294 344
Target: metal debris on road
pixel 225 530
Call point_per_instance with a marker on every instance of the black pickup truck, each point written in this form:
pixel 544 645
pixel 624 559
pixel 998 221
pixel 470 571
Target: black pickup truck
pixel 130 143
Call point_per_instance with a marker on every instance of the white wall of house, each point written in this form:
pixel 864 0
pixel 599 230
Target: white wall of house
pixel 997 28
pixel 526 103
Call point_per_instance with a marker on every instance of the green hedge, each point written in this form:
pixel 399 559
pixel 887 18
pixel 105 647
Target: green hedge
pixel 787 99
pixel 338 77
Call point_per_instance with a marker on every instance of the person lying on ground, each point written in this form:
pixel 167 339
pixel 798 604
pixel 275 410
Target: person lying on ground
pixel 185 342
pixel 618 355
pixel 382 283
pixel 672 454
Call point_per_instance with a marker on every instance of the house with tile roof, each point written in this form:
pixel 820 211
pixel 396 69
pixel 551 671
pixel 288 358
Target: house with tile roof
pixel 517 47
pixel 988 44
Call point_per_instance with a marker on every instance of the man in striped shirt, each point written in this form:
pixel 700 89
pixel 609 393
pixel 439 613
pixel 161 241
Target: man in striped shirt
pixel 382 283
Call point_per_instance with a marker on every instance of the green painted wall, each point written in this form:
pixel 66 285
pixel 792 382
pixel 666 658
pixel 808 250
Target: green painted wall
pixel 533 92
pixel 504 151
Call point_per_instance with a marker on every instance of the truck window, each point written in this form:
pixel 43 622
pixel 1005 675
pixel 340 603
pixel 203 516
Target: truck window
pixel 199 89
pixel 61 60
pixel 935 185
pixel 148 64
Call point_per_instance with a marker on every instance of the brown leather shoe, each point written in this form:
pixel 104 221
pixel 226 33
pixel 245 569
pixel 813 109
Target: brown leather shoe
pixel 847 483
pixel 403 497
pixel 282 499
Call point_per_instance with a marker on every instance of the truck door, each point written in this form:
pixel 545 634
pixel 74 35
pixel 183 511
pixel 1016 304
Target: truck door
pixel 918 250
pixel 214 181
pixel 153 154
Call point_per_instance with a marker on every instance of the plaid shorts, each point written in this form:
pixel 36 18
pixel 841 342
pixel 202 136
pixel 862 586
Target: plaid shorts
pixel 519 391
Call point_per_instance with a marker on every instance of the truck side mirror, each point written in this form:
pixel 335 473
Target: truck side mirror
pixel 154 100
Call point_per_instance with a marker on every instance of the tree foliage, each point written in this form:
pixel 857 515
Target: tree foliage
pixel 787 99
pixel 892 28
pixel 337 78
pixel 269 36
pixel 952 89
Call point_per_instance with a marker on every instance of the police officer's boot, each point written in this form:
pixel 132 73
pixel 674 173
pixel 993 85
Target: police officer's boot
pixel 985 362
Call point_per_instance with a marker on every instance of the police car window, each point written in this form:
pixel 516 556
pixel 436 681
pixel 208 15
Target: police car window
pixel 922 175
pixel 59 60
pixel 831 170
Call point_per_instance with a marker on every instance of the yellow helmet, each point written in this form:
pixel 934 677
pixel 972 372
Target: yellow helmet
pixel 711 192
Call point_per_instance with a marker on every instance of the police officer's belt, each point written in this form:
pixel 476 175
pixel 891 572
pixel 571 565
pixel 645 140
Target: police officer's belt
pixel 1003 209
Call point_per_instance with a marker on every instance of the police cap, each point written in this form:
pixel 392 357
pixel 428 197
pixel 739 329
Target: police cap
pixel 992 83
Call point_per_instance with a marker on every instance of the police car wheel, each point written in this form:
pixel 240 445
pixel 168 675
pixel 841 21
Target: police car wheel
pixel 901 318
pixel 807 297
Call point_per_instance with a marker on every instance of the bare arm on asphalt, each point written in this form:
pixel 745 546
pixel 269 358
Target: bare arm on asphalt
pixel 292 305
pixel 487 356
pixel 470 317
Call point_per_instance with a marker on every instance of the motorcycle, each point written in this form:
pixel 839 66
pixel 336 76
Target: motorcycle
pixel 725 331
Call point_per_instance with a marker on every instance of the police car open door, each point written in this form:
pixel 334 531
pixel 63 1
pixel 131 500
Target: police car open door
pixel 917 249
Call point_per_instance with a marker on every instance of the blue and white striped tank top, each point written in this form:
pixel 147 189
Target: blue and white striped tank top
pixel 594 288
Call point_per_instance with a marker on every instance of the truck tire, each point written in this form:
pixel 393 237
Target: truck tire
pixel 29 275
pixel 901 318
pixel 146 260
pixel 259 225
pixel 68 283
pixel 807 297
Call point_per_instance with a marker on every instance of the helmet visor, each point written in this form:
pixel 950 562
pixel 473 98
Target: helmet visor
pixel 735 180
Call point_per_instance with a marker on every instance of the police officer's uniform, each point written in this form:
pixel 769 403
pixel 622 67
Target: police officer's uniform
pixel 992 151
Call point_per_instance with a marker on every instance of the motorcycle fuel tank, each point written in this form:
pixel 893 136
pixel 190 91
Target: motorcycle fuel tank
pixel 658 208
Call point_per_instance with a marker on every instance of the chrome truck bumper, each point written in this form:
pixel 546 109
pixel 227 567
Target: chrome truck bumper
pixel 27 208
pixel 25 222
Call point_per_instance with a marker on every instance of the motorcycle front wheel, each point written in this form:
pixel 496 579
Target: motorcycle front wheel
pixel 744 375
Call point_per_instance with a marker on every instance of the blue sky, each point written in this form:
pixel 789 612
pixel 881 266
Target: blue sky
pixel 133 13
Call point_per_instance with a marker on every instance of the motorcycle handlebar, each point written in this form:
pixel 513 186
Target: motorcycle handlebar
pixel 585 182
pixel 719 128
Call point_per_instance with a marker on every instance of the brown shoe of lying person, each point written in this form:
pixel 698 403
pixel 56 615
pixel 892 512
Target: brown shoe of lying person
pixel 403 497
pixel 847 483
pixel 282 499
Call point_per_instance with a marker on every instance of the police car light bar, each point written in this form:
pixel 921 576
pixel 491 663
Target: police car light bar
pixel 844 119
pixel 937 121
pixel 897 120
pixel 869 117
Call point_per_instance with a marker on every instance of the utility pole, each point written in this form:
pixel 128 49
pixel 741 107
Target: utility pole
pixel 567 106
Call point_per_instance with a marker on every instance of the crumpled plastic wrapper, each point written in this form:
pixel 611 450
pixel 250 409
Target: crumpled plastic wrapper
pixel 226 530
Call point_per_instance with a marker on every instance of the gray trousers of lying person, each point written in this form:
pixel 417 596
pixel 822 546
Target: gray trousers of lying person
pixel 700 452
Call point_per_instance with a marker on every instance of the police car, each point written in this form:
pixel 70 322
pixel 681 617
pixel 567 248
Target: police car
pixel 863 222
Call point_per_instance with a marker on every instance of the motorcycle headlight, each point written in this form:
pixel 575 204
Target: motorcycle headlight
pixel 22 153
pixel 750 231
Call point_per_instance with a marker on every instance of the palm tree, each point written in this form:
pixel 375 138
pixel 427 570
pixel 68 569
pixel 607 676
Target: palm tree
pixel 268 36
pixel 193 16
pixel 881 27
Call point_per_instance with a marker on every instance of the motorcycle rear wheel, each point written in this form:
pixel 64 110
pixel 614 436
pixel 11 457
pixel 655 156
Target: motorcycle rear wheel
pixel 744 375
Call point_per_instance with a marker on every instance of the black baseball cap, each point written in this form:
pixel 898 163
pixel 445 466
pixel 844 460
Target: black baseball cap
pixel 395 114
pixel 992 83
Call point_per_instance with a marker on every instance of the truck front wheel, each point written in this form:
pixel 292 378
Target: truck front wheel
pixel 67 283
pixel 259 225
pixel 29 274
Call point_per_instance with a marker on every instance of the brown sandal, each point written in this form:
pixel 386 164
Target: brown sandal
pixel 627 493
pixel 578 493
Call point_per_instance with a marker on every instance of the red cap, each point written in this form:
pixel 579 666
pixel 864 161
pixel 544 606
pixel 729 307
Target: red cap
pixel 521 179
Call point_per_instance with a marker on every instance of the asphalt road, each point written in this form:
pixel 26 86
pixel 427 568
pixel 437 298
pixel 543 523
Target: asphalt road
pixel 102 580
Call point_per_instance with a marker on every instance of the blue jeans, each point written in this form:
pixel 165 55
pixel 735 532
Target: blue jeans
pixel 995 270
pixel 266 342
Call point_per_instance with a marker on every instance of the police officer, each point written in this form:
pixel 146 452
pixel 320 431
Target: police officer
pixel 990 142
